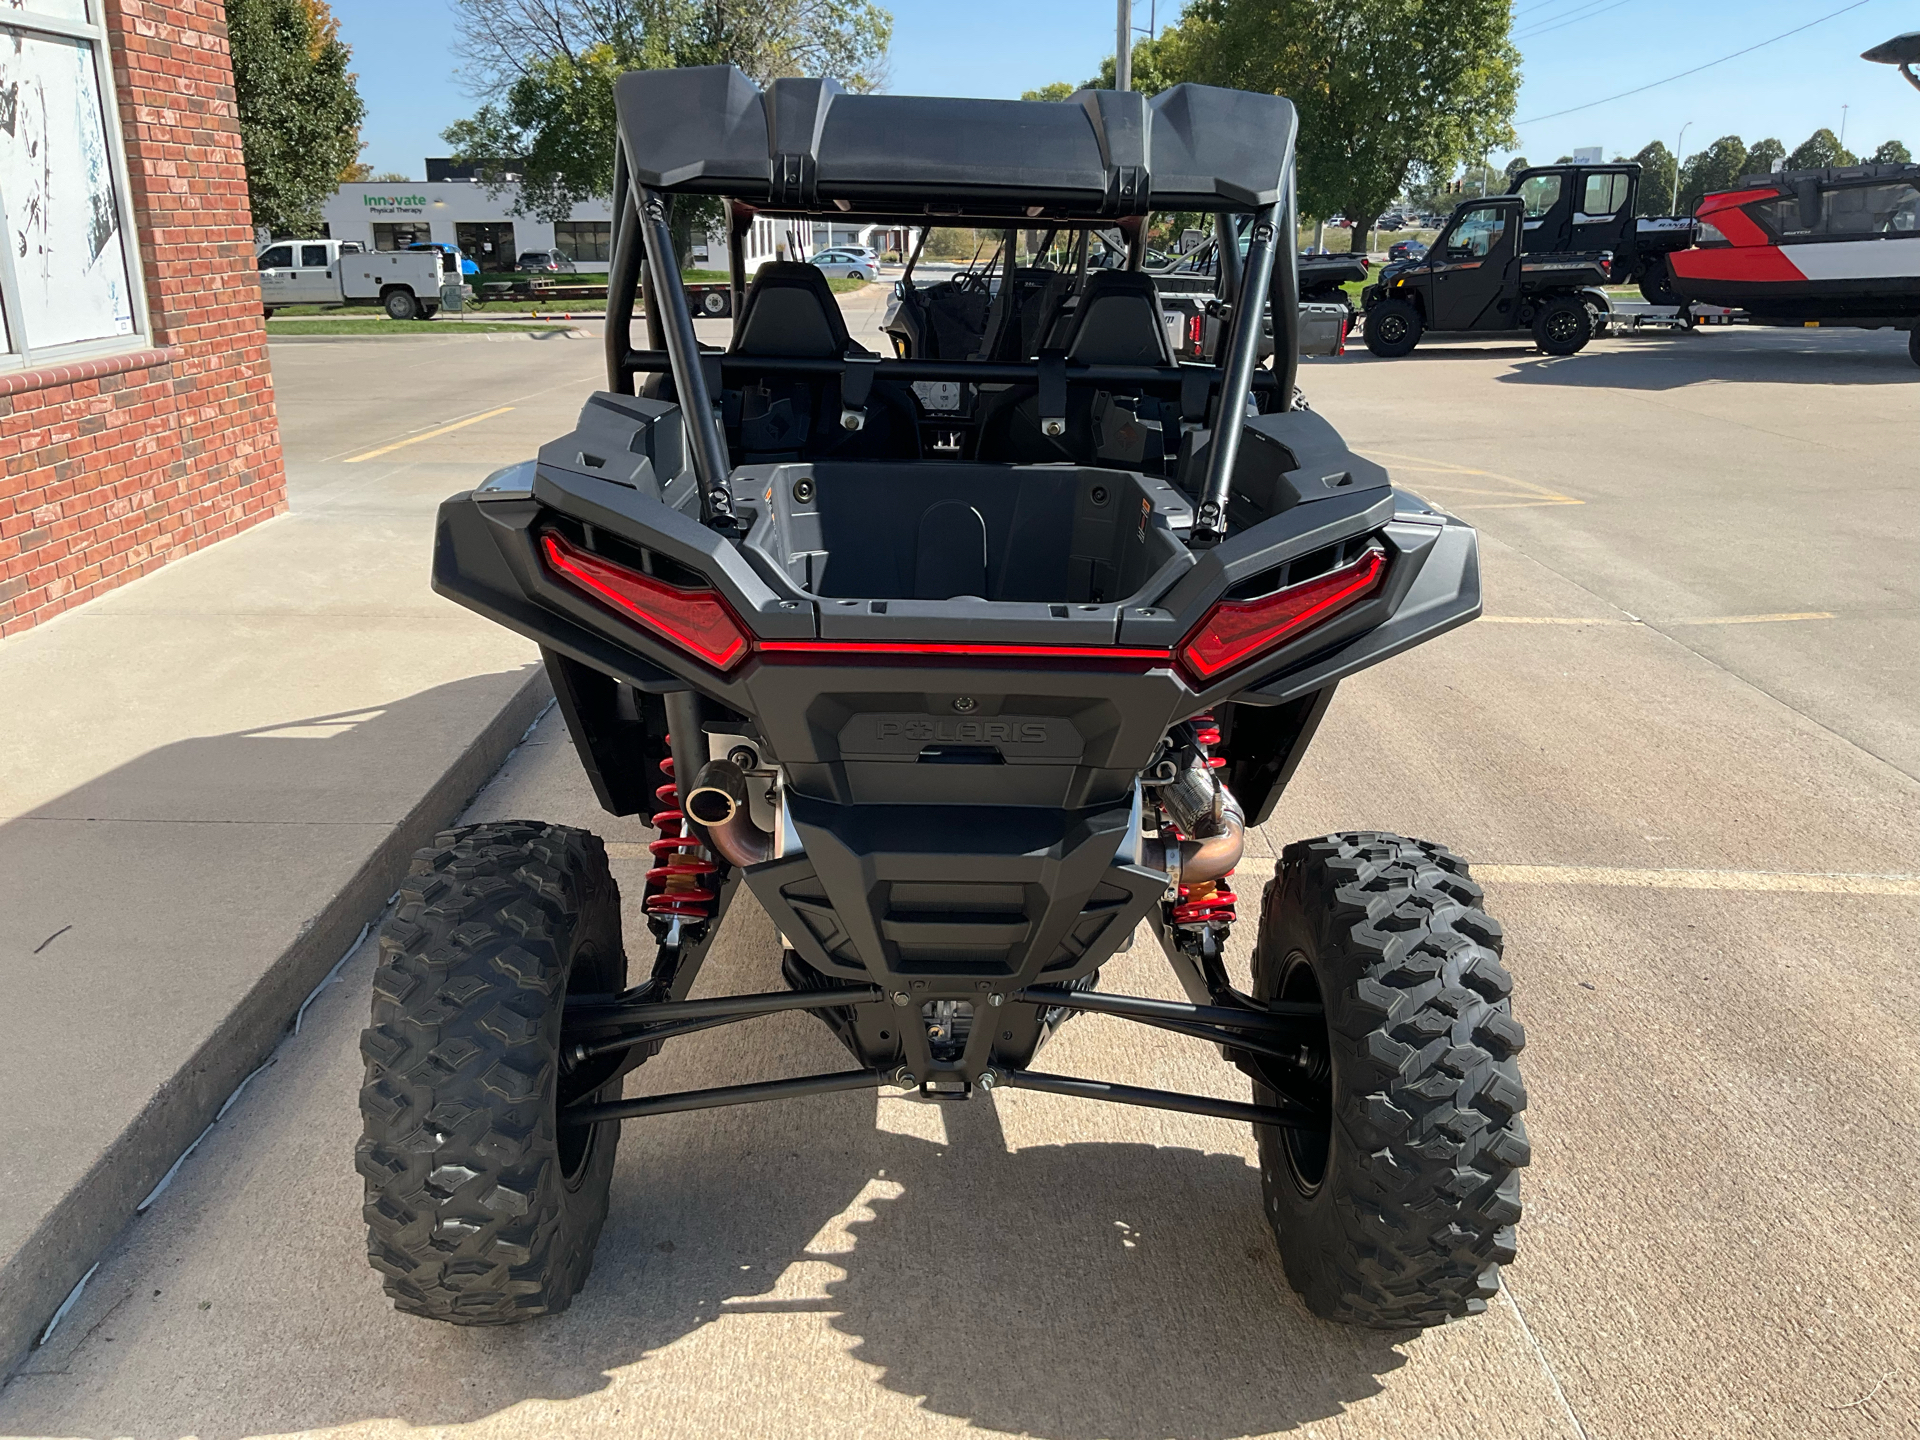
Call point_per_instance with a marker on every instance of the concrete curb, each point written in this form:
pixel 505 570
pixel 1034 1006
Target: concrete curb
pixel 58 1255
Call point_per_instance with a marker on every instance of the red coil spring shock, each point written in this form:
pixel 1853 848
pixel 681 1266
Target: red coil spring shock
pixel 679 859
pixel 1209 900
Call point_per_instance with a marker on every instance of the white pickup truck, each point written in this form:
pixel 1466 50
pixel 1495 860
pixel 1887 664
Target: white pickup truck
pixel 407 284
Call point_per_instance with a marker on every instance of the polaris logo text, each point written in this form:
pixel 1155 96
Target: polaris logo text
pixel 1004 732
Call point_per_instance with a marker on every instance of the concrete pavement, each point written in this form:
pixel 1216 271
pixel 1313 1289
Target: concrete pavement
pixel 1691 481
pixel 214 776
pixel 1711 899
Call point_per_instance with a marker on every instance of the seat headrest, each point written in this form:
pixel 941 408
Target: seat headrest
pixel 1120 322
pixel 790 311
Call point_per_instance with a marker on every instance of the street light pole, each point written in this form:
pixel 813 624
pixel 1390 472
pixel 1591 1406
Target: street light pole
pixel 1678 146
pixel 1123 48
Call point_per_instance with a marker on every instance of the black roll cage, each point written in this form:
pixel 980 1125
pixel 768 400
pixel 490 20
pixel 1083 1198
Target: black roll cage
pixel 644 264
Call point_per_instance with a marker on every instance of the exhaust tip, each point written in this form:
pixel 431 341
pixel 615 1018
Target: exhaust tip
pixel 710 805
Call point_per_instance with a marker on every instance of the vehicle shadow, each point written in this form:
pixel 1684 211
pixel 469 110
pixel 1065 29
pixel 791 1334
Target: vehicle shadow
pixel 1066 1289
pixel 1069 1290
pixel 1656 361
pixel 1091 1290
pixel 1730 356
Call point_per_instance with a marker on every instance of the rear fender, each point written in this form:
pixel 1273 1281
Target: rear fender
pixel 1437 590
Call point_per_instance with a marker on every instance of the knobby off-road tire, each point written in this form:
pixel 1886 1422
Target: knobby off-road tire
pixel 481 1209
pixel 1656 284
pixel 1404 1214
pixel 1393 328
pixel 1562 326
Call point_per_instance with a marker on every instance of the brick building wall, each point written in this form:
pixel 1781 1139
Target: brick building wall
pixel 113 466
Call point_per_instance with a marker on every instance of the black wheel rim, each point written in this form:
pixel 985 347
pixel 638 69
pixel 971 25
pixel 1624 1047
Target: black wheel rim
pixel 1307 1152
pixel 576 1142
pixel 1393 330
pixel 1561 325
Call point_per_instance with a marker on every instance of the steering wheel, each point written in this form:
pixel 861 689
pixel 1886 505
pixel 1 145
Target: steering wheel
pixel 969 282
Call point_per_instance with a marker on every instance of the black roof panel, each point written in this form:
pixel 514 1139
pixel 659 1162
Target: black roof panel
pixel 809 145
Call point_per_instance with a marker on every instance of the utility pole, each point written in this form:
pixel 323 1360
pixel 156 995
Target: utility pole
pixel 1123 48
pixel 1843 127
pixel 1678 146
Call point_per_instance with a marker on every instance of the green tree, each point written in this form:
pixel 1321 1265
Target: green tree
pixel 1764 155
pixel 1157 64
pixel 1427 191
pixel 1515 166
pixel 298 108
pixel 549 66
pixel 1656 180
pixel 1819 150
pixel 1718 166
pixel 1893 153
pixel 1386 89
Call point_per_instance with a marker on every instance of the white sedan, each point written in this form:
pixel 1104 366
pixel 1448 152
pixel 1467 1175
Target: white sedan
pixel 851 263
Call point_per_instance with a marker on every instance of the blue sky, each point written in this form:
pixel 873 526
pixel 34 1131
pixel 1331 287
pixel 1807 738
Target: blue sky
pixel 1578 50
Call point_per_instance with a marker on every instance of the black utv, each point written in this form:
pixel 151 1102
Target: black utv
pixel 1476 279
pixel 963 695
pixel 1592 209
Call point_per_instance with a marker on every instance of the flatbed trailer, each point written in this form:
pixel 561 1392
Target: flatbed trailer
pixel 1637 315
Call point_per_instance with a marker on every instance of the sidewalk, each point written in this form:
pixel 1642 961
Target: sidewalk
pixel 213 778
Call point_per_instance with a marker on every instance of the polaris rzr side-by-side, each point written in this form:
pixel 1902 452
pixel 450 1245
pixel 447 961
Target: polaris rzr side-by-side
pixel 966 667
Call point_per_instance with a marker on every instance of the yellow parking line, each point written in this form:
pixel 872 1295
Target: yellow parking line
pixel 1756 619
pixel 1529 494
pixel 1610 876
pixel 1797 882
pixel 426 435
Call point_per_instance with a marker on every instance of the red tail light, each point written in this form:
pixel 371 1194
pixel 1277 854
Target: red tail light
pixel 696 621
pixel 1236 631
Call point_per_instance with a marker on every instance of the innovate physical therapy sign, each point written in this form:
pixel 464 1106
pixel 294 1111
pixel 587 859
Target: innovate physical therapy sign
pixel 395 204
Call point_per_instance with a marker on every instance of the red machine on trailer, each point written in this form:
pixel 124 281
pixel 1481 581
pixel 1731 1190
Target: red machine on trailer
pixel 1837 246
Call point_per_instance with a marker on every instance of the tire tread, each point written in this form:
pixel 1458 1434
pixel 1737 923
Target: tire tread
pixel 1428 1093
pixel 468 1216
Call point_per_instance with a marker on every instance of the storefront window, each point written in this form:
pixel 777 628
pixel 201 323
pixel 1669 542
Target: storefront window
pixel 488 243
pixel 584 239
pixel 67 275
pixel 399 237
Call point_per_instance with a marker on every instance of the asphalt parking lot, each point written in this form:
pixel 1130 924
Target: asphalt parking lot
pixel 1682 750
